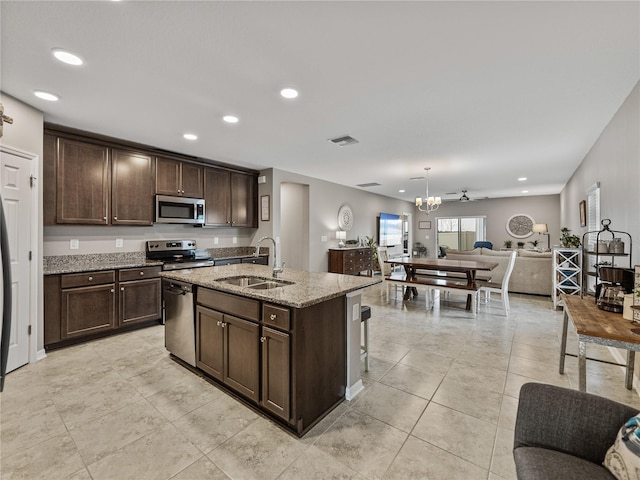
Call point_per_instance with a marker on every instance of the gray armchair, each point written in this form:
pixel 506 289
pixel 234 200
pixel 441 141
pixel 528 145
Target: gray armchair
pixel 564 434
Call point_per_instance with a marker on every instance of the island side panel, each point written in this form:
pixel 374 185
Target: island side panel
pixel 319 353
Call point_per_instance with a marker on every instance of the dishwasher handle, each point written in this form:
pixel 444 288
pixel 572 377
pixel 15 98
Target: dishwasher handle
pixel 175 291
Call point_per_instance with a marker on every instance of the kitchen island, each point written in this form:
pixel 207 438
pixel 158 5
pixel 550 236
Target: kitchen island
pixel 292 352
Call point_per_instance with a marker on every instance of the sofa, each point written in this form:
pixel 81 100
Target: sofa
pixel 565 434
pixel 532 272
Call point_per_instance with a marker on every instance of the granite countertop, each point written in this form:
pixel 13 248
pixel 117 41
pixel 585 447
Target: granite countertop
pixel 94 262
pixel 308 288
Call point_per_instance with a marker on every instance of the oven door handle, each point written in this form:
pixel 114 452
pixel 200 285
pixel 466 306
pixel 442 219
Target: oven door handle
pixel 175 291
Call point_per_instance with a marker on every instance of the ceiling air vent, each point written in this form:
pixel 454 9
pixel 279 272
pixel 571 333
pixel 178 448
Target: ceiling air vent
pixel 344 141
pixel 367 185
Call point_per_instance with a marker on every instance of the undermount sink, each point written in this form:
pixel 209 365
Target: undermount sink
pixel 256 283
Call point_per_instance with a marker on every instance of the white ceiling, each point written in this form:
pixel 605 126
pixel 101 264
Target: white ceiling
pixel 481 92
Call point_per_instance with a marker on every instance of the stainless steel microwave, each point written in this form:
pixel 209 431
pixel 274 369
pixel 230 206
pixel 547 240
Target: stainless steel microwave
pixel 179 210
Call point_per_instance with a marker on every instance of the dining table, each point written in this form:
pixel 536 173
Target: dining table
pixel 440 267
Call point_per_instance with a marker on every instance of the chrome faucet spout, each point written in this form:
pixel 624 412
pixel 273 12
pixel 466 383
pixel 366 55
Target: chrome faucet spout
pixel 276 268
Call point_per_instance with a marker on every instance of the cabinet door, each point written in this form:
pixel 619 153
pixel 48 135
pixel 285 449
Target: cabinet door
pixel 192 181
pixel 87 310
pixel 132 188
pixel 51 284
pixel 242 362
pixel 83 182
pixel 210 342
pixel 244 200
pixel 217 197
pixel 140 301
pixel 276 374
pixel 168 176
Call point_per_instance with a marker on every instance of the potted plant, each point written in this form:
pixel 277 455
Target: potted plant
pixel 534 243
pixel 371 243
pixel 567 240
pixel 520 244
pixel 508 243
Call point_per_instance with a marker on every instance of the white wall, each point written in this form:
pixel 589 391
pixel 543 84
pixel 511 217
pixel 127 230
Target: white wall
pixel 614 161
pixel 26 134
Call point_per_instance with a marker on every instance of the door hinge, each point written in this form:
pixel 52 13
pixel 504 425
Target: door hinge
pixel 29 330
pixel 32 181
pixel 30 255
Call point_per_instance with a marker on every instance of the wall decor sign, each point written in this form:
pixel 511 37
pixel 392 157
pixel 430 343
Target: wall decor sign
pixel 345 218
pixel 520 225
pixel 265 208
pixel 426 225
pixel 583 213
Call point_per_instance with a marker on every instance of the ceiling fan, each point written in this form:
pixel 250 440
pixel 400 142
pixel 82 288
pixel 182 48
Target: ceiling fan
pixel 463 199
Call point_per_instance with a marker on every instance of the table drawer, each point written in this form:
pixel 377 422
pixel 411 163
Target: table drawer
pixel 275 316
pixel 85 279
pixel 140 273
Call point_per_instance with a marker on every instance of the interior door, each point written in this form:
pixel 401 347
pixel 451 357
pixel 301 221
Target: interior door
pixel 15 187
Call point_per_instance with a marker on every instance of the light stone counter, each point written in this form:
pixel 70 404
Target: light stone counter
pixel 308 288
pixel 94 262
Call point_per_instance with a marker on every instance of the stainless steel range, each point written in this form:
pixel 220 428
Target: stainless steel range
pixel 178 254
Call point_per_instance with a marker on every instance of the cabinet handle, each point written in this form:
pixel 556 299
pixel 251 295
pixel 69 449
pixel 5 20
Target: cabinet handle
pixel 90 279
pixel 115 218
pixel 224 324
pixel 141 273
pixel 273 316
pixel 263 339
pixel 219 323
pixel 105 219
pixel 112 290
pixel 122 289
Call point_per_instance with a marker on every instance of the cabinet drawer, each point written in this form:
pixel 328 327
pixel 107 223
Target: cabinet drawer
pixel 141 273
pixel 276 316
pixel 228 303
pixel 71 280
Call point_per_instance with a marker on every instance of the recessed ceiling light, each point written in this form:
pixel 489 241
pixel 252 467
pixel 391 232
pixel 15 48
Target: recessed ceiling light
pixel 190 136
pixel 525 191
pixel 522 179
pixel 67 57
pixel 46 96
pixel 230 119
pixel 289 93
pixel 401 191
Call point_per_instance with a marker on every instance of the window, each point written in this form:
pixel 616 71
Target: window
pixel 460 233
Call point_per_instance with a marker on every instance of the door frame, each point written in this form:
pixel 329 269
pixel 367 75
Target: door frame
pixel 35 267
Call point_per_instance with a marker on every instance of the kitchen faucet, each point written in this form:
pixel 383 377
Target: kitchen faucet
pixel 276 268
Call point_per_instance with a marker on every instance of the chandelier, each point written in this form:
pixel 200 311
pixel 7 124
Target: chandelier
pixel 428 204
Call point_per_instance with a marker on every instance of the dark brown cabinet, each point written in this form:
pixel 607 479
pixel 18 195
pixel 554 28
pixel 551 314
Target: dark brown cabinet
pixel 88 303
pixel 350 261
pixel 80 306
pixel 276 373
pixel 95 184
pixel 227 349
pixel 230 198
pixel 175 177
pixel 83 182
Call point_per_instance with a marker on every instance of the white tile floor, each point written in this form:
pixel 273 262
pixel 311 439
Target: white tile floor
pixel 440 402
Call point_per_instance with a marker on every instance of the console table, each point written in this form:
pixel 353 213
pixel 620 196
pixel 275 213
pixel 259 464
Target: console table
pixel 600 327
pixel 350 261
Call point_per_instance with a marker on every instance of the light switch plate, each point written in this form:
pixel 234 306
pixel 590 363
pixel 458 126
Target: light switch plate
pixel 74 244
pixel 235 240
pixel 216 240
pixel 119 243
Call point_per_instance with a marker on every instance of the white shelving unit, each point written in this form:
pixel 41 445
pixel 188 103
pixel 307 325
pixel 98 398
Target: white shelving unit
pixel 567 273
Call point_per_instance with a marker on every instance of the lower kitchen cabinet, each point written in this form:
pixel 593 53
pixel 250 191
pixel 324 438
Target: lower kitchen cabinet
pixel 276 379
pixel 81 306
pixel 227 349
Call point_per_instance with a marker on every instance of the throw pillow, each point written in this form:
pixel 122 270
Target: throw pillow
pixel 623 457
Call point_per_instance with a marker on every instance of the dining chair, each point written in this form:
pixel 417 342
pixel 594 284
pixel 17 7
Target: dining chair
pixel 389 277
pixel 502 288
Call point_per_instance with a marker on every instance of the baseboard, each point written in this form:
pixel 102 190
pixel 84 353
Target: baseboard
pixel 354 390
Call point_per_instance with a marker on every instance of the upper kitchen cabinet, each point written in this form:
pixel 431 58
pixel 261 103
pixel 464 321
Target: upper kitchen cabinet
pixel 174 177
pixel 95 184
pixel 83 182
pixel 230 198
pixel 131 188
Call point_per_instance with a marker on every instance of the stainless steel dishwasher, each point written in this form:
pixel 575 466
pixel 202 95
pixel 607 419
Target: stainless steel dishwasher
pixel 179 328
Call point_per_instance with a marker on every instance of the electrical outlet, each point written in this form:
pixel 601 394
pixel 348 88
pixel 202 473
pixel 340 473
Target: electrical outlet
pixel 323 238
pixel 74 244
pixel 216 240
pixel 119 243
pixel 235 240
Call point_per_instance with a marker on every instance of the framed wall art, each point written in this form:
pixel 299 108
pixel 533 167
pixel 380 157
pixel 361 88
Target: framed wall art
pixel 583 213
pixel 265 208
pixel 426 225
